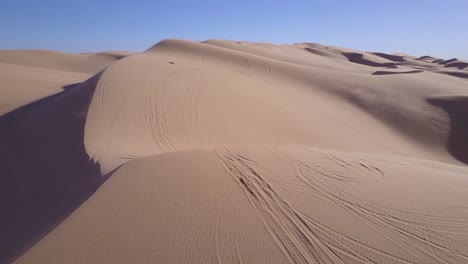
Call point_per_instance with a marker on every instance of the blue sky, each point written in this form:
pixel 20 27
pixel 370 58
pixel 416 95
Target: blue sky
pixel 417 27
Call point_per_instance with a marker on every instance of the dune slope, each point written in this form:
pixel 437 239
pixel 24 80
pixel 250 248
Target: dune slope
pixel 265 205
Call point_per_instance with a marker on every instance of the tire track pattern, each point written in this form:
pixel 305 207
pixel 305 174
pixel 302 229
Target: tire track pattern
pixel 294 236
pixel 419 238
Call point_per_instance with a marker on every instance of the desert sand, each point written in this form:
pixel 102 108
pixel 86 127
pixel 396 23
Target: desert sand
pixel 233 152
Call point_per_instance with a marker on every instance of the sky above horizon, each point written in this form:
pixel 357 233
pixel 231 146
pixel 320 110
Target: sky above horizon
pixel 430 27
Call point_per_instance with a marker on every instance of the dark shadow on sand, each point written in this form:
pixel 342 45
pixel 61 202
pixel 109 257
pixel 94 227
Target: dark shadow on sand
pixel 359 58
pixel 444 62
pixel 426 58
pixel 45 172
pixel 391 57
pixel 459 65
pixel 459 74
pixel 390 72
pixel 457 109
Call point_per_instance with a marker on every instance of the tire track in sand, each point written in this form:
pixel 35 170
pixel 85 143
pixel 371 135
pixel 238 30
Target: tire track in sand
pixel 303 239
pixel 297 240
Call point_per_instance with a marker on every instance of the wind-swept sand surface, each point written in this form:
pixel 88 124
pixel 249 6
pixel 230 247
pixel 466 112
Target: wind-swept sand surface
pixel 28 75
pixel 233 152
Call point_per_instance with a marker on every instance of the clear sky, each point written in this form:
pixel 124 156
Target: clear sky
pixel 417 27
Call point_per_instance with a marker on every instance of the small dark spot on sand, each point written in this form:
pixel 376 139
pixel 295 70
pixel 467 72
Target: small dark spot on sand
pixel 171 62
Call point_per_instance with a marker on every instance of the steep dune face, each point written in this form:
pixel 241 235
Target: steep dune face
pixel 44 167
pixel 225 151
pixel 456 107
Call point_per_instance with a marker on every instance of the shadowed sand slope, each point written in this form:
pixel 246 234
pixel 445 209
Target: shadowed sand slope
pixel 242 152
pixel 44 167
pixel 457 109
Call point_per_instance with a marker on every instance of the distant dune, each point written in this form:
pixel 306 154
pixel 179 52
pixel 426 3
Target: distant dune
pixel 28 75
pixel 233 152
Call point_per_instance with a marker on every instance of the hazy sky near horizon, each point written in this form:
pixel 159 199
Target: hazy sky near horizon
pixel 425 27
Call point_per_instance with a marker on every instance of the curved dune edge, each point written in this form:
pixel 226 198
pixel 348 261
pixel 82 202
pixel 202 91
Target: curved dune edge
pixel 268 205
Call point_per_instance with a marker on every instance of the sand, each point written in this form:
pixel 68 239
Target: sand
pixel 233 152
pixel 29 75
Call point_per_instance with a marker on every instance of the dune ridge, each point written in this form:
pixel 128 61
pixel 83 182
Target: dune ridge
pixel 224 151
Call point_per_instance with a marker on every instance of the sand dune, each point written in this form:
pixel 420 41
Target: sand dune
pixel 268 204
pixel 461 65
pixel 85 63
pixel 24 84
pixel 29 75
pixel 223 151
